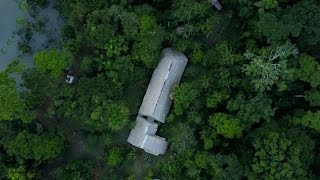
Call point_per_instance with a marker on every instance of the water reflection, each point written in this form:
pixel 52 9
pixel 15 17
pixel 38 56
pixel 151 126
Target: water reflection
pixel 44 22
pixel 9 11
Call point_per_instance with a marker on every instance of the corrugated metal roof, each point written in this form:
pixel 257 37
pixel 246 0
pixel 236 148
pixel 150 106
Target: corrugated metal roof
pixel 143 136
pixel 156 102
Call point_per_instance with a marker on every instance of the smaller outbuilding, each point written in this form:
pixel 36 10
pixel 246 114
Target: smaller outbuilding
pixel 70 79
pixel 216 4
pixel 144 136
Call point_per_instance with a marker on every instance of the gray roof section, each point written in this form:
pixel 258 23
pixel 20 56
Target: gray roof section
pixel 155 145
pixel 143 136
pixel 156 102
pixel 143 127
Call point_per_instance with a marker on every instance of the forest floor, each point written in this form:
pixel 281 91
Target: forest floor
pixel 78 147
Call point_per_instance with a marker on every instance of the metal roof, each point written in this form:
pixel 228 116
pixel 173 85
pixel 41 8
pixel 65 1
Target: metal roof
pixel 156 102
pixel 143 136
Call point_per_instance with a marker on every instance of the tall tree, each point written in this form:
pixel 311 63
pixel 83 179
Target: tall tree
pixel 146 51
pixel 282 155
pixel 298 21
pixel 114 157
pixel 52 61
pixel 309 70
pixel 74 170
pixel 182 138
pixel 271 67
pixel 251 110
pixel 225 125
pixel 309 119
pixel 33 146
pixel 92 105
pixel 215 166
pixel 12 106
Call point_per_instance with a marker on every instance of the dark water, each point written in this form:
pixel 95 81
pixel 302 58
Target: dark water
pixel 9 11
pixel 46 37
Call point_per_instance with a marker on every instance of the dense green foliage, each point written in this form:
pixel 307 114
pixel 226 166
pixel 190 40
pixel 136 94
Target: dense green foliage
pixel 246 107
pixel 10 104
pixel 34 146
pixel 74 170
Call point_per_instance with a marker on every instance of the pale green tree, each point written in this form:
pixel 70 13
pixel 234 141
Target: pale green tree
pixel 225 125
pixel 216 97
pixel 144 50
pixel 52 61
pixel 117 116
pixel 11 105
pixel 114 157
pixel 18 173
pixel 270 67
pixel 184 96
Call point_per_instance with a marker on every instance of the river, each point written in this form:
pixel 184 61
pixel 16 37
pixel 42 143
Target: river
pixel 48 36
pixel 9 11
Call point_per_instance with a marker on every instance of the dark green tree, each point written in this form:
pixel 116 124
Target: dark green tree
pixel 39 147
pixel 252 110
pixel 74 170
pixel 309 70
pixel 182 138
pixel 309 119
pixel 279 155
